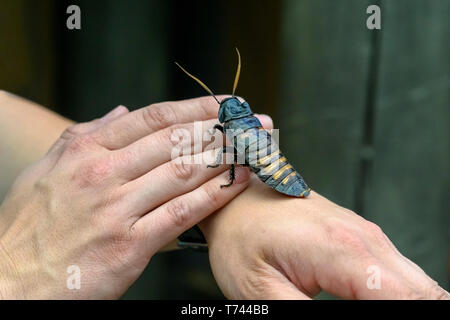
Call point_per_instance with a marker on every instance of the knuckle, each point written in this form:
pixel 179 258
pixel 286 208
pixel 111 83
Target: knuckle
pixel 159 115
pixel 94 172
pixel 349 239
pixel 171 135
pixel 212 195
pixel 374 232
pixel 182 170
pixel 346 236
pixel 124 158
pixel 372 227
pixel 71 132
pixel 179 212
pixel 208 108
pixel 44 185
pixel 79 143
pixel 180 134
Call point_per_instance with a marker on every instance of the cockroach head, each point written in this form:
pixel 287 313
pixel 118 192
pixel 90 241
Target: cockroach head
pixel 231 108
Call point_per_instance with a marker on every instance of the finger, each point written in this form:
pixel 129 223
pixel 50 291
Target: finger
pixel 357 278
pixel 168 181
pixel 169 143
pixel 389 286
pixel 265 120
pixel 406 271
pixel 409 272
pixel 147 120
pixel 168 221
pixel 85 127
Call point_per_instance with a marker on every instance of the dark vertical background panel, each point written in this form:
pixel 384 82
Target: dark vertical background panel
pixel 118 57
pixel 27 50
pixel 204 37
pixel 408 182
pixel 254 27
pixel 325 65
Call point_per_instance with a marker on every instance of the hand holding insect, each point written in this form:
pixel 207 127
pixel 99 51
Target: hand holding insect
pixel 106 198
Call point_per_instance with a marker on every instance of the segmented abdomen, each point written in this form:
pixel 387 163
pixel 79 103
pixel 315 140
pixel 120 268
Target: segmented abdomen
pixel 256 148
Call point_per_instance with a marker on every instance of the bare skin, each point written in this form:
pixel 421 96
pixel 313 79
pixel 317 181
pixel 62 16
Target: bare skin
pixel 264 245
pixel 105 197
pixel 91 201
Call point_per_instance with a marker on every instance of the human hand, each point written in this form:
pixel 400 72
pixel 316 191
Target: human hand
pixel 264 245
pixel 105 198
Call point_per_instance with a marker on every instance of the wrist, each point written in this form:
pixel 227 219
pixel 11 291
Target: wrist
pixel 22 276
pixel 20 272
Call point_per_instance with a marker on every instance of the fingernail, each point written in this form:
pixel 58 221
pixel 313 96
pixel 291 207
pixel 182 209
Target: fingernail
pixel 266 120
pixel 241 174
pixel 119 110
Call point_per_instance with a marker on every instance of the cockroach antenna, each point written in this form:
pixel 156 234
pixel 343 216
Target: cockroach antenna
pixel 199 82
pixel 238 72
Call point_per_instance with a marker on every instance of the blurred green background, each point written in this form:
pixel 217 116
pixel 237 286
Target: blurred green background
pixel 364 114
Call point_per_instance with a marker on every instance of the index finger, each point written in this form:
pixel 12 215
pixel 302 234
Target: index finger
pixel 142 122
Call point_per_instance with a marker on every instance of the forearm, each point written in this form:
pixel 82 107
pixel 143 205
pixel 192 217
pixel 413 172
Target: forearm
pixel 27 131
